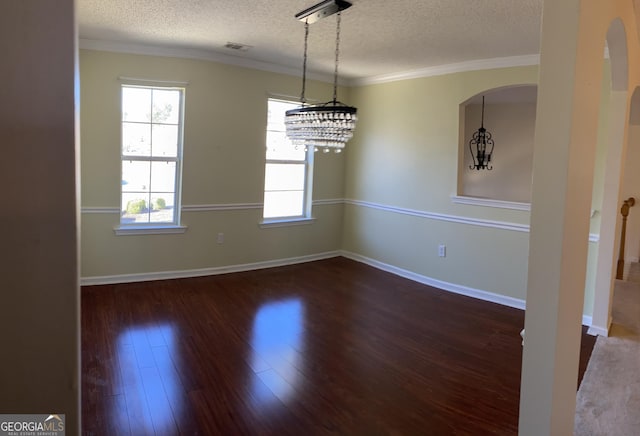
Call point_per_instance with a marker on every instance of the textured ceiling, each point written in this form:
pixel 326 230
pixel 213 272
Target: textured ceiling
pixel 379 37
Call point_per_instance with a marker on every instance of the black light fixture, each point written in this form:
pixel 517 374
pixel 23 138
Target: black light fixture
pixel 482 141
pixel 327 125
pixel 322 10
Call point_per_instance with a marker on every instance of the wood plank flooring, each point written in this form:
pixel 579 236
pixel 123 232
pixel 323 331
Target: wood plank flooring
pixel 327 347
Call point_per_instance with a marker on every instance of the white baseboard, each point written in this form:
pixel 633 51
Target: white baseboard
pixel 504 300
pixel 445 286
pixel 596 330
pixel 165 275
pixel 587 320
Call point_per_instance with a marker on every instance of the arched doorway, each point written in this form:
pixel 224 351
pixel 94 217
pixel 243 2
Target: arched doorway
pixel 572 42
pixel 614 168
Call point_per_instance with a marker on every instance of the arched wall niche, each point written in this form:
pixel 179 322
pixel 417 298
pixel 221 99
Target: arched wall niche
pixel 510 116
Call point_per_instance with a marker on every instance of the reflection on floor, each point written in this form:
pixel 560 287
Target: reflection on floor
pixel 144 355
pixel 325 347
pixel 276 345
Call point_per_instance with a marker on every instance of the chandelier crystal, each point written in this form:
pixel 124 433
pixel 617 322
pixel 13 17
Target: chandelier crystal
pixel 325 126
pixel 328 125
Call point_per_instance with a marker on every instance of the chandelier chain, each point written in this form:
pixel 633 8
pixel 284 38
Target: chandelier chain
pixel 328 125
pixel 303 100
pixel 335 71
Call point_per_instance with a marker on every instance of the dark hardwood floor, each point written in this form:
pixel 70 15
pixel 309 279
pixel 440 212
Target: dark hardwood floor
pixel 327 347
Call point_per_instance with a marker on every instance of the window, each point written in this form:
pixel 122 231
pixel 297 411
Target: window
pixel 152 119
pixel 288 170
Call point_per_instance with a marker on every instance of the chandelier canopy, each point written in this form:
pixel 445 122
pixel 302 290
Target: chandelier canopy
pixel 327 125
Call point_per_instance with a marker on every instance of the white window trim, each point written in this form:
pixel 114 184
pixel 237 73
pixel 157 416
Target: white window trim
pixel 307 217
pixel 285 222
pixel 152 83
pixel 129 230
pixel 174 227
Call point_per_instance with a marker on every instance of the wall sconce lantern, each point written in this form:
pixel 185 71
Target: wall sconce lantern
pixel 481 146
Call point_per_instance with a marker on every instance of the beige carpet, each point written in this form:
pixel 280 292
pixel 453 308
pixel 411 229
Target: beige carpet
pixel 608 402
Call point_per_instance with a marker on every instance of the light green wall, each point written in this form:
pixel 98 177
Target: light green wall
pixel 405 155
pixel 631 188
pixel 224 154
pixel 408 136
pixel 601 150
pixel 411 243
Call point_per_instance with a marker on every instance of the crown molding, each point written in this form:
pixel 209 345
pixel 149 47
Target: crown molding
pixel 189 53
pixel 208 55
pixel 460 67
pixel 198 54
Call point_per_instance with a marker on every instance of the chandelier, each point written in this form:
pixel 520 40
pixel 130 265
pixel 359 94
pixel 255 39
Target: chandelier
pixel 327 125
pixel 481 140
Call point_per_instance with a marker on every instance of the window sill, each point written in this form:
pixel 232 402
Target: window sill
pixel 285 222
pixel 149 230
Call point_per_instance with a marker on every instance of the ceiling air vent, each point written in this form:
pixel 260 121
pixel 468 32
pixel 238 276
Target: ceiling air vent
pixel 237 46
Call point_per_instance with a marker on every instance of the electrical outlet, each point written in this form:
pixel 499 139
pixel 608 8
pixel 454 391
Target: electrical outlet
pixel 442 250
pixel 220 239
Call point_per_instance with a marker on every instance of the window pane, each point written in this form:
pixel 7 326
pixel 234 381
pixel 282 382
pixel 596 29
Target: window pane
pixel 135 208
pixel 280 148
pixel 136 139
pixel 285 168
pixel 135 176
pixel 165 140
pixel 136 104
pixel 284 177
pixel 277 110
pixel 166 106
pixel 283 204
pixel 151 130
pixel 162 208
pixel 163 176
